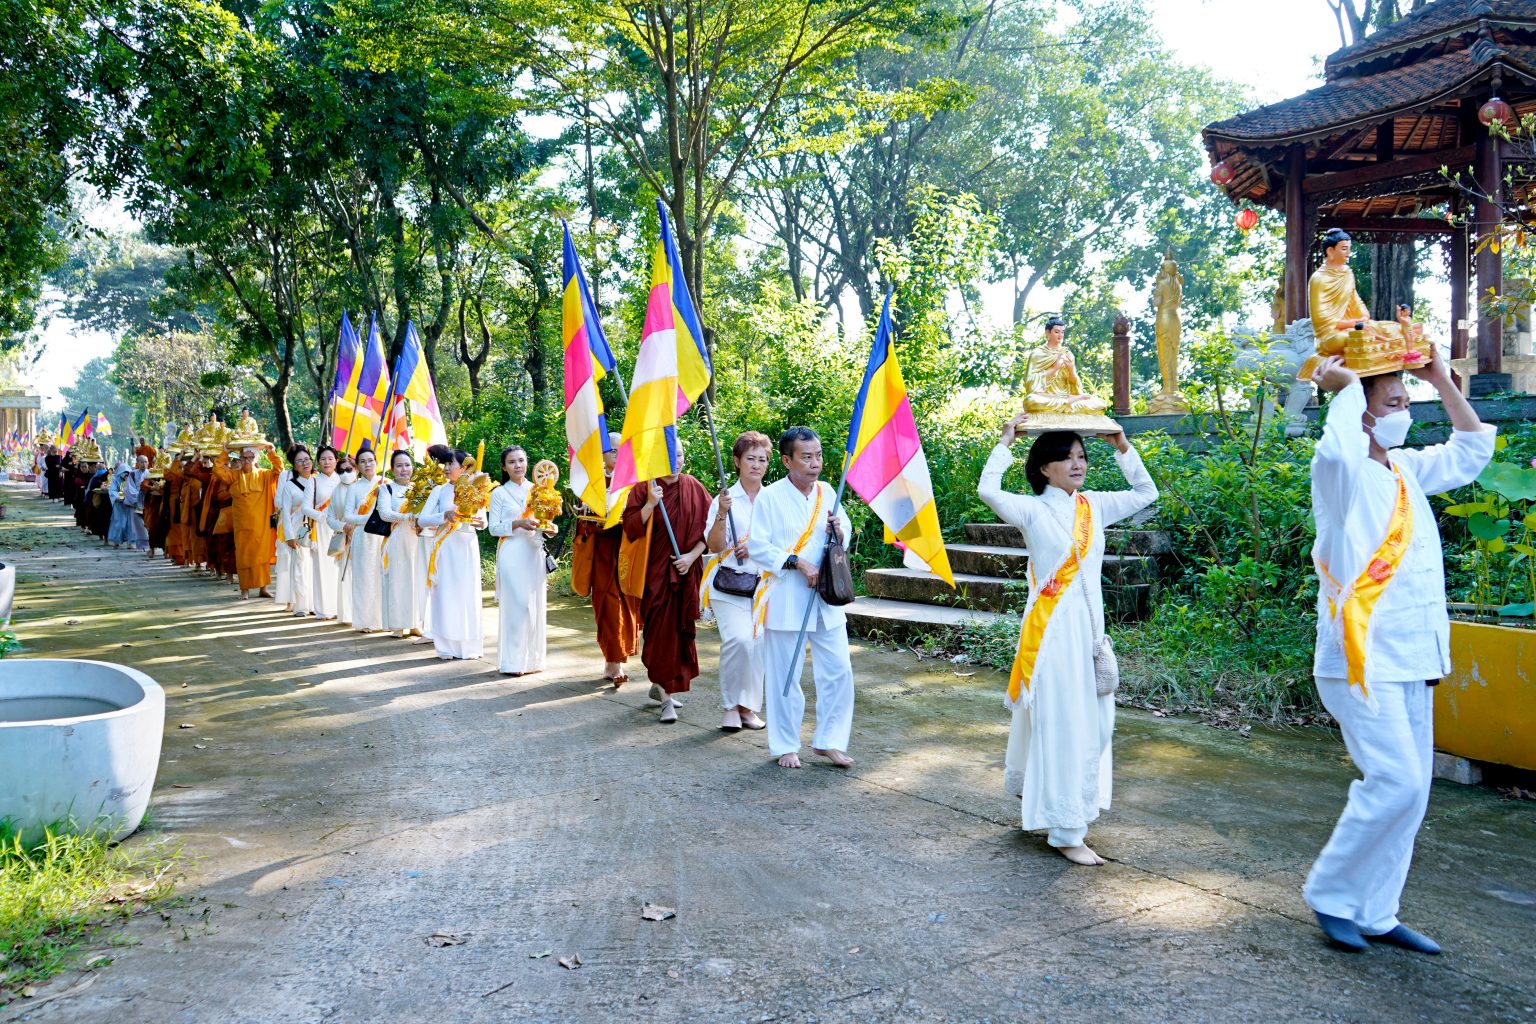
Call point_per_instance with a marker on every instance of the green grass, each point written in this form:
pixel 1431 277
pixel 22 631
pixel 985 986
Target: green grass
pixel 58 891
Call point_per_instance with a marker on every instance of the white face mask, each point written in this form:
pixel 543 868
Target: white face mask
pixel 348 477
pixel 1392 429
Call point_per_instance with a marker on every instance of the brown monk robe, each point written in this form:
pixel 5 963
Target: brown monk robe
pixel 154 514
pixel 175 545
pixel 595 563
pixel 194 546
pixel 253 494
pixel 669 611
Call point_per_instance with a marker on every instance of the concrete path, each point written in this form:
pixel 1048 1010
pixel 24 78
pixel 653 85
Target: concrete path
pixel 355 796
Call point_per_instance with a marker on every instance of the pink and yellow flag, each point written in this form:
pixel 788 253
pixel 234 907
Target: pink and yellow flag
pixel 671 372
pixel 886 466
pixel 588 359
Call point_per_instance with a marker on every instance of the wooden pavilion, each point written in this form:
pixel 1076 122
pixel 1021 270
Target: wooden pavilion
pixel 1364 152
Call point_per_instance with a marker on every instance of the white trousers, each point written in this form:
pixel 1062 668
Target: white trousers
pixel 741 653
pixel 833 673
pixel 1359 875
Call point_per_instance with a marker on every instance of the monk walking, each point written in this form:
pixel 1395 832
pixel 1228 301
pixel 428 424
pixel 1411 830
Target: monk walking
pixel 252 495
pixel 603 564
pixel 669 611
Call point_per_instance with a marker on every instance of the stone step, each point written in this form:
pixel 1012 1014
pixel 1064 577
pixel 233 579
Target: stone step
pixel 1150 543
pixel 1012 563
pixel 983 593
pixel 900 620
pixel 1127 599
pixel 988 560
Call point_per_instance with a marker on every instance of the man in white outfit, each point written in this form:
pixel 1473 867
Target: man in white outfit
pixel 790 521
pixel 1383 637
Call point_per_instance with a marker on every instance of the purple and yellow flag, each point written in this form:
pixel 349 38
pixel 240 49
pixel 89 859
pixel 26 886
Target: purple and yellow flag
pixel 361 406
pixel 413 408
pixel 349 352
pixel 886 466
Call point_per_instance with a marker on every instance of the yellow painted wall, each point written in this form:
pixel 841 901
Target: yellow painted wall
pixel 1486 708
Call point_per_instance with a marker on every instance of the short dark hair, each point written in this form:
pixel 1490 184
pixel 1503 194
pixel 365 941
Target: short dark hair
pixel 293 452
pixel 445 456
pixel 326 448
pixel 788 439
pixel 397 453
pixel 1051 446
pixel 1333 236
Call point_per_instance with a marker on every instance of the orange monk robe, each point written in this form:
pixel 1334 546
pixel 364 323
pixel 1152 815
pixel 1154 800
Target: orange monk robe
pixel 193 545
pixel 595 562
pixel 669 611
pixel 252 494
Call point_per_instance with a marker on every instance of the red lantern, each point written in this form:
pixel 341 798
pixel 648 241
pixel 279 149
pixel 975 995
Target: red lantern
pixel 1495 110
pixel 1222 174
pixel 1247 219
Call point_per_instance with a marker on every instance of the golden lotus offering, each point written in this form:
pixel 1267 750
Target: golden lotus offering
pixel 423 481
pixel 472 493
pixel 544 501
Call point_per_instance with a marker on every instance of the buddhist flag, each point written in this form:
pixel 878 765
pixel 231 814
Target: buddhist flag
pixel 588 359
pixel 365 394
pixel 75 428
pixel 886 466
pixel 349 353
pixel 87 428
pixel 103 425
pixel 693 369
pixel 414 408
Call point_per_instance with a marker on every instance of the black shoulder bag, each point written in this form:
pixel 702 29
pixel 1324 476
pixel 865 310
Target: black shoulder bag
pixel 376 523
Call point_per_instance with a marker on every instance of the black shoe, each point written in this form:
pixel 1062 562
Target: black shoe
pixel 1407 938
pixel 1341 933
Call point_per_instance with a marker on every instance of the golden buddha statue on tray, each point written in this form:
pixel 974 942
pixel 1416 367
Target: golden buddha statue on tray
pixel 1342 322
pixel 1054 397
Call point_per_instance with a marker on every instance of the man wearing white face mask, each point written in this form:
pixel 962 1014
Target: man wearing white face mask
pixel 1383 638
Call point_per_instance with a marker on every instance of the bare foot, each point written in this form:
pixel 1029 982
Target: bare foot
pixel 1081 855
pixel 263 593
pixel 837 757
pixel 789 761
pixel 244 596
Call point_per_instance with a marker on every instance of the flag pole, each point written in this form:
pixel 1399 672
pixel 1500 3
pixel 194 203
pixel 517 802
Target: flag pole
pixel 666 520
pixel 708 408
pixel 810 605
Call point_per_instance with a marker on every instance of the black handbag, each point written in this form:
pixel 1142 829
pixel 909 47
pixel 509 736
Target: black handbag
pixel 834 581
pixel 734 581
pixel 376 523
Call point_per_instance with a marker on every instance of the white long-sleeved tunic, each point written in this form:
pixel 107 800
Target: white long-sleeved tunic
pixel 453 598
pixel 1408 638
pixel 325 573
pixel 779 517
pixel 404 593
pixel 1058 758
pixel 521 592
pixel 364 560
pixel 293 496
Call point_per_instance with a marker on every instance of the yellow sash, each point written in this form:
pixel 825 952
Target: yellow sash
pixel 432 562
pixel 771 576
pixel 1046 600
pixel 366 508
pixel 1354 607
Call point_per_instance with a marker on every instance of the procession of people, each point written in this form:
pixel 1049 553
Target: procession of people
pixel 395 550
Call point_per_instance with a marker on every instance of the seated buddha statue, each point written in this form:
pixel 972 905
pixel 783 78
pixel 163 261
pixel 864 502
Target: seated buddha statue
pixel 1337 309
pixel 1050 380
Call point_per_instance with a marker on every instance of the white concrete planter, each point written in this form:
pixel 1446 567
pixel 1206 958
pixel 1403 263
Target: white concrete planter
pixel 78 740
pixel 7 592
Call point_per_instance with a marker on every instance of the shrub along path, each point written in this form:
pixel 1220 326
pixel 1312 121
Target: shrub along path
pixel 344 798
